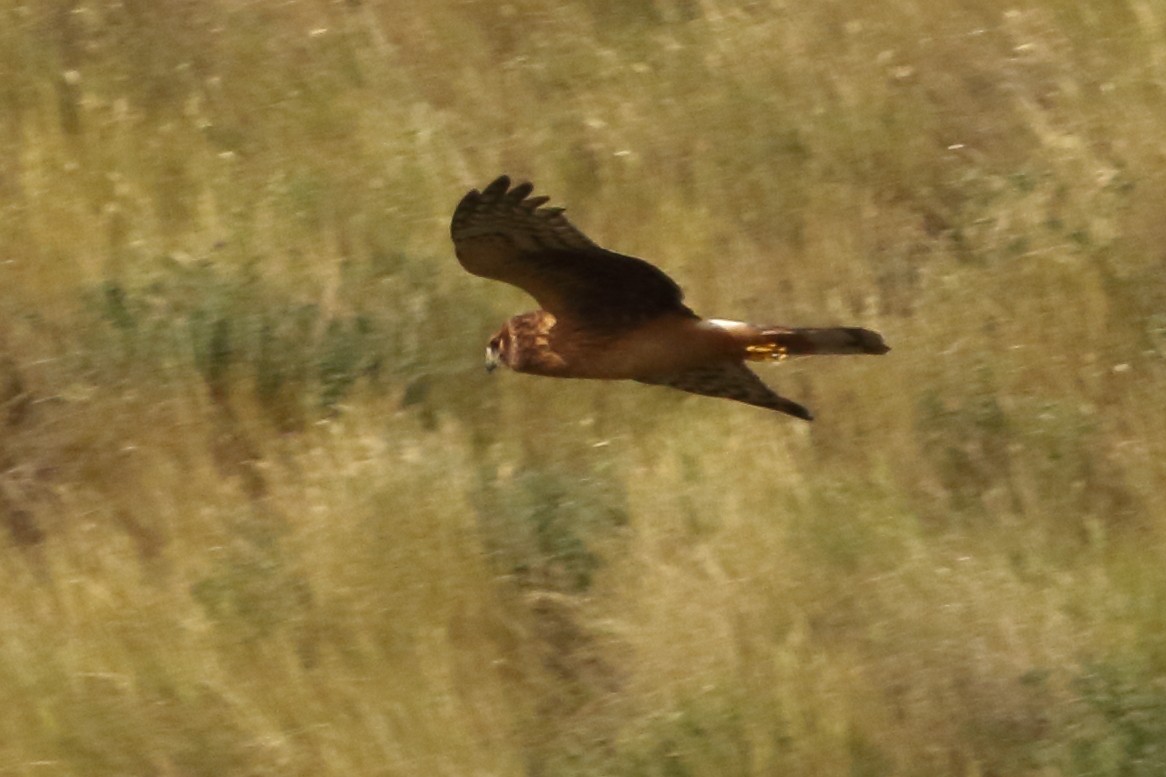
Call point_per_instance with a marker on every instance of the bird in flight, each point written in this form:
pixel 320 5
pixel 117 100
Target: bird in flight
pixel 609 316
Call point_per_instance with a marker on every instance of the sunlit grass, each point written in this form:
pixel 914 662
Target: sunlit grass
pixel 265 514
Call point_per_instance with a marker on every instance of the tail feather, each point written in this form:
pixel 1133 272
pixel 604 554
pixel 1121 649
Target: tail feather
pixel 779 342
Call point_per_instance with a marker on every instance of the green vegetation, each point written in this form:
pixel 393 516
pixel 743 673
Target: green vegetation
pixel 262 512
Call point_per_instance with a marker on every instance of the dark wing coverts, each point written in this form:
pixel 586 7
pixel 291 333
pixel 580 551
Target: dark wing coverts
pixel 507 235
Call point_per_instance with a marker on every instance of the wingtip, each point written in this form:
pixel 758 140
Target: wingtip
pixel 789 407
pixel 520 192
pixel 500 189
pixel 498 185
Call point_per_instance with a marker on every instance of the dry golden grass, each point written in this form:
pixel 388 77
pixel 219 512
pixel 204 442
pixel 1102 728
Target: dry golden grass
pixel 264 514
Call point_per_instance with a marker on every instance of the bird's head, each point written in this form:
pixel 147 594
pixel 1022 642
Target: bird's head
pixel 497 348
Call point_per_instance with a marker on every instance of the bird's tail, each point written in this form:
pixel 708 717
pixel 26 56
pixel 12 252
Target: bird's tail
pixel 776 343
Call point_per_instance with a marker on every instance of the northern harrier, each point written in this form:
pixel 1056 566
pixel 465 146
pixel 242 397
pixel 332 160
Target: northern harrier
pixel 614 317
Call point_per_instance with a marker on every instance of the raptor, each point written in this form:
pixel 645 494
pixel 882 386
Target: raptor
pixel 608 316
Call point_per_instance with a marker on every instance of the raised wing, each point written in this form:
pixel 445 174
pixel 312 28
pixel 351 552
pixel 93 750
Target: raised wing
pixel 506 235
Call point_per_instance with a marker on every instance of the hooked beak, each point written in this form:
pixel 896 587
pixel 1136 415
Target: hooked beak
pixel 492 359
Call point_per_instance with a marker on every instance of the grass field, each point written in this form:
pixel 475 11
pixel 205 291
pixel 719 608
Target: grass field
pixel 264 513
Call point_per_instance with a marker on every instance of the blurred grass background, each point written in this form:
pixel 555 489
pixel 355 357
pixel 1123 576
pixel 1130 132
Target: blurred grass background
pixel 263 513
